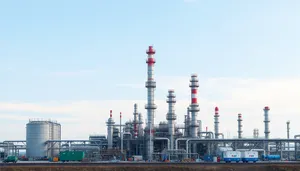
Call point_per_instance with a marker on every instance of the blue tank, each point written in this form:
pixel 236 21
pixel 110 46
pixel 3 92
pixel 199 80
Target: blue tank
pixel 271 157
pixel 208 157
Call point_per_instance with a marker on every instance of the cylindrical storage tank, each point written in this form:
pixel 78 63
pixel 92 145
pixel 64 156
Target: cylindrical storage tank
pixel 37 134
pixel 56 132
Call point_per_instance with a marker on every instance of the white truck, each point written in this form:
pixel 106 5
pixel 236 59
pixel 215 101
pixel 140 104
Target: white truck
pixel 248 156
pixel 231 156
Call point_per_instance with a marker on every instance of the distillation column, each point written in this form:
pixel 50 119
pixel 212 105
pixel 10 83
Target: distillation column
pixel 110 126
pixel 216 122
pixel 187 123
pixel 171 117
pixel 150 106
pixel 135 121
pixel 240 131
pixel 140 130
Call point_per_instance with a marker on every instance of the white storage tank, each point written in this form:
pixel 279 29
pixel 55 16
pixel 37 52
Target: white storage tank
pixel 229 156
pixel 37 133
pixel 248 156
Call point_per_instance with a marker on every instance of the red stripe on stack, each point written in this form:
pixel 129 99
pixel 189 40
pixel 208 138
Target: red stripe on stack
pixel 194 100
pixel 150 61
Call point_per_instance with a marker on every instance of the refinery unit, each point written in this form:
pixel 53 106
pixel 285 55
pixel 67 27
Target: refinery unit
pixel 167 141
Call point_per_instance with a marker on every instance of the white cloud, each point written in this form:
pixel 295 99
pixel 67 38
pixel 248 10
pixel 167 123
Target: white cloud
pixel 231 95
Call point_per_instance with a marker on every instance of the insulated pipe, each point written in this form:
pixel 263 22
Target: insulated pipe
pixel 163 138
pixel 216 122
pixel 171 117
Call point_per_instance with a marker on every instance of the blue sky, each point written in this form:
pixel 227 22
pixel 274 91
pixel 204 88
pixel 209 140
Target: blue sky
pixel 54 54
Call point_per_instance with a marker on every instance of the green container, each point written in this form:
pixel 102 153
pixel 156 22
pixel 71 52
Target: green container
pixel 71 156
pixel 13 159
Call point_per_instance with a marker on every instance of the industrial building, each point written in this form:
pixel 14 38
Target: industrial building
pixel 154 141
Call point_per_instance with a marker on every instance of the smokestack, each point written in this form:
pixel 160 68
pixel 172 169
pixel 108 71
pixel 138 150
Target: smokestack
pixel 194 107
pixel 267 121
pixel 150 85
pixel 135 120
pixel 171 117
pixel 216 122
pixel 110 123
pixel 240 125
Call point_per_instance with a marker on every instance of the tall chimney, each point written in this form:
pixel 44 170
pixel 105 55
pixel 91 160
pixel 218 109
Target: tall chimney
pixel 240 131
pixel 216 122
pixel 267 121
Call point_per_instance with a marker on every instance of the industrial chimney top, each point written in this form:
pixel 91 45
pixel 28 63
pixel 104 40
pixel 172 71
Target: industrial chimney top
pixel 150 50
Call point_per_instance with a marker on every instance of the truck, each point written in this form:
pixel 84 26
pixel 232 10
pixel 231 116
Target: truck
pixel 229 156
pixel 12 159
pixel 248 156
pixel 66 156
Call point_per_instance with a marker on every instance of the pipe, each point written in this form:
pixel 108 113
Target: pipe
pixel 84 148
pixel 179 139
pixel 163 138
pixel 222 135
pixel 210 133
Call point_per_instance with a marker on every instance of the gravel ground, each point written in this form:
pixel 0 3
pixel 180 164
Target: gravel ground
pixel 266 167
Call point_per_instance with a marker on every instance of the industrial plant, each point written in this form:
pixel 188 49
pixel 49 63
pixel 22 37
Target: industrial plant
pixel 142 140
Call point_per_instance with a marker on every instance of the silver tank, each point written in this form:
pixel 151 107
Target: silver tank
pixel 37 133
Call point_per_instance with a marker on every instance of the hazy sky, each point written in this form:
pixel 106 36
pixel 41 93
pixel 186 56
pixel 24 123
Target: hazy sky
pixel 73 61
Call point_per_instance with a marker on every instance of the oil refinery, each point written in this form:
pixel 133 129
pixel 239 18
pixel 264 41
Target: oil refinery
pixel 139 140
